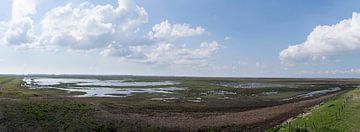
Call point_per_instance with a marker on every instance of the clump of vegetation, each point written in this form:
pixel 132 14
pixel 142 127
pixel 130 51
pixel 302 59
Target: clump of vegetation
pixel 50 116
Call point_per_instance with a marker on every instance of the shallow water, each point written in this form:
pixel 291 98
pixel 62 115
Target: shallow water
pixel 100 88
pixel 113 92
pixel 221 92
pixel 319 92
pixel 248 85
pixel 92 82
pixel 56 81
pixel 196 100
pixel 269 93
pixel 124 83
pixel 315 93
pixel 170 99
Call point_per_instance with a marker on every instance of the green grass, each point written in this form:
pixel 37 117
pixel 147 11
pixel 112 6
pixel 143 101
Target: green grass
pixel 45 115
pixel 11 87
pixel 339 114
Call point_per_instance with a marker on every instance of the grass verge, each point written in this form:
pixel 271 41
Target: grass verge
pixel 339 114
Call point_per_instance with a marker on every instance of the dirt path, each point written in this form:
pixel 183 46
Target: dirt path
pixel 252 120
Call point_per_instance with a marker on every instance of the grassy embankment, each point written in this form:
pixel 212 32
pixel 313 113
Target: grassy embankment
pixel 11 87
pixel 339 114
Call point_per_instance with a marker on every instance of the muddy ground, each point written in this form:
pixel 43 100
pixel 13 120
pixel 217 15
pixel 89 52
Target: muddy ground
pixel 251 120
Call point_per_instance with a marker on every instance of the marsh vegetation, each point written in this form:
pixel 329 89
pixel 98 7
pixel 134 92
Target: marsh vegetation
pixel 73 102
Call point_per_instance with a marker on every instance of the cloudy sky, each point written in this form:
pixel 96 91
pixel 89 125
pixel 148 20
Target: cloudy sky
pixel 244 38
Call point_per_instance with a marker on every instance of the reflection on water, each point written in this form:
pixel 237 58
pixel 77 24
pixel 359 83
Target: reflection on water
pixel 248 85
pixel 124 83
pixel 319 92
pixel 55 81
pixel 221 92
pixel 92 82
pixel 315 93
pixel 269 93
pixel 171 99
pixel 94 89
pixel 113 92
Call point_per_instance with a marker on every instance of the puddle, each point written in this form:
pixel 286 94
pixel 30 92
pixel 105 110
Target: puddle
pixel 319 92
pixel 225 98
pixel 248 85
pixel 221 92
pixel 315 93
pixel 164 99
pixel 269 93
pixel 196 100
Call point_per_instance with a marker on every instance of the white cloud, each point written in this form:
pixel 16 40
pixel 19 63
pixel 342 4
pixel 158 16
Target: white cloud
pixel 169 53
pixel 2 28
pixel 19 30
pixel 164 53
pixel 125 52
pixel 260 65
pixel 82 27
pixel 326 42
pixel 346 71
pixel 23 8
pixel 91 26
pixel 166 31
pixel 112 29
pixel 158 49
pixel 227 38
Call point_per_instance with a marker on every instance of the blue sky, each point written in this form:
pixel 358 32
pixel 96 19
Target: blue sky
pixel 245 38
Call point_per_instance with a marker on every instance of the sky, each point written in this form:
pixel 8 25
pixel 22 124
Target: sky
pixel 232 38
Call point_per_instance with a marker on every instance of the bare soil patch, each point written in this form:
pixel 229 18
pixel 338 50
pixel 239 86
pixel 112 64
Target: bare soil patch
pixel 251 120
